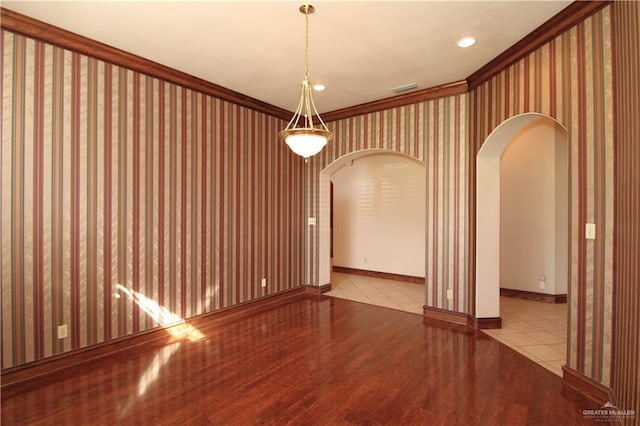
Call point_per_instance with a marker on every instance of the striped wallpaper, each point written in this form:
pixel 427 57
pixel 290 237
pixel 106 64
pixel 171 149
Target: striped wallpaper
pixel 570 79
pixel 625 380
pixel 433 132
pixel 113 177
pixel 110 176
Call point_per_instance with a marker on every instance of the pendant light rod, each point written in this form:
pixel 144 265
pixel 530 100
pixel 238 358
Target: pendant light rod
pixel 307 9
pixel 301 134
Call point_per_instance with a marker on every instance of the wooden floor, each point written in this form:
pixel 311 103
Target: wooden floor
pixel 312 360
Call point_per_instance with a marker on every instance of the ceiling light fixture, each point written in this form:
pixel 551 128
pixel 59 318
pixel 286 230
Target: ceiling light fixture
pixel 303 136
pixel 319 87
pixel 466 42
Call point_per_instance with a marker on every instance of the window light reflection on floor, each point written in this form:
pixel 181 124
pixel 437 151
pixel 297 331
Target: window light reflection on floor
pixel 149 377
pixel 172 322
pixel 159 360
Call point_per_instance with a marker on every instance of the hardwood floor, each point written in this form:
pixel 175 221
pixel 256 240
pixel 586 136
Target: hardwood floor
pixel 311 360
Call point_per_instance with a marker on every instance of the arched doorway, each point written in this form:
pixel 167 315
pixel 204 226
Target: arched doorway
pixel 522 236
pixel 488 211
pixel 389 177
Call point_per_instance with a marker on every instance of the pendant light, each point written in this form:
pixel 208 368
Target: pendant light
pixel 306 134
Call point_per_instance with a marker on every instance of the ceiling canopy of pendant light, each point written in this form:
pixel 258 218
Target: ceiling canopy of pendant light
pixel 306 134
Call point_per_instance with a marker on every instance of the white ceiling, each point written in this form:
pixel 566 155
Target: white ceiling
pixel 358 49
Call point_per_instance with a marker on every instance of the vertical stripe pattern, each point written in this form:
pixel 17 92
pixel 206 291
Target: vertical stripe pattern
pixel 114 177
pixel 570 79
pixel 625 379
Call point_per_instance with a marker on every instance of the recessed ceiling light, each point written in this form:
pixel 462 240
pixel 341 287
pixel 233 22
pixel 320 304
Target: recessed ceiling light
pixel 319 87
pixel 466 42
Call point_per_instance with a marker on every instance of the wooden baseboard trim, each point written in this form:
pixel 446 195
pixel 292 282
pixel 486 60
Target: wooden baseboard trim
pixel 449 319
pixel 317 290
pixel 488 323
pixel 582 384
pixel 531 295
pixel 383 275
pixel 30 374
pixel 458 320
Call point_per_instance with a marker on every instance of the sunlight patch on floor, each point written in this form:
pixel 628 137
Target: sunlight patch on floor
pixel 172 322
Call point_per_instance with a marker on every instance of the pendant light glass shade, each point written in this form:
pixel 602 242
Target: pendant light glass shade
pixel 306 134
pixel 306 144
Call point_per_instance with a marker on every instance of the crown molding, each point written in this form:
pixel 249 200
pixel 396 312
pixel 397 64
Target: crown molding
pixel 33 28
pixel 436 92
pixel 571 15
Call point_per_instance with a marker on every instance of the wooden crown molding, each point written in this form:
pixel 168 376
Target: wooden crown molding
pixel 436 92
pixel 18 23
pixel 571 15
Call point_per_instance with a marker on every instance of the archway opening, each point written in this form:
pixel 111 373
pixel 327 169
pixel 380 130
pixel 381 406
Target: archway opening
pixel 488 211
pixel 523 235
pixel 378 216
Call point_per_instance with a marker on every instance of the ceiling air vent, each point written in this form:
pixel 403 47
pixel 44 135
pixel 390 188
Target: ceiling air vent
pixel 405 88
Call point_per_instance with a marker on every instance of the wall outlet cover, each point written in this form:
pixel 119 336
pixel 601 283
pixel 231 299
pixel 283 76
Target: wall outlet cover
pixel 63 331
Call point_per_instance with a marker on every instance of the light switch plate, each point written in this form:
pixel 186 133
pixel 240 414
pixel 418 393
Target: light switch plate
pixel 311 221
pixel 590 231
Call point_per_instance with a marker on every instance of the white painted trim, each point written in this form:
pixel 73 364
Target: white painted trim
pixel 488 212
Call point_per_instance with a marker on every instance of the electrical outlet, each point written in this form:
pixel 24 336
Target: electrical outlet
pixel 590 231
pixel 449 294
pixel 263 283
pixel 542 282
pixel 63 331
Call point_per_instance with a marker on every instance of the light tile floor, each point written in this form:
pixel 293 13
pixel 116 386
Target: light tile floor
pixel 537 330
pixel 398 295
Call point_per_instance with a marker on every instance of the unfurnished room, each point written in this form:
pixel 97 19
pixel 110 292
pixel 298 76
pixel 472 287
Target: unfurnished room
pixel 328 213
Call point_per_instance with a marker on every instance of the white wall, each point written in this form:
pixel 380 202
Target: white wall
pixel 562 212
pixel 533 209
pixel 379 215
